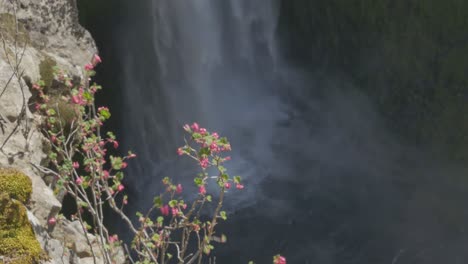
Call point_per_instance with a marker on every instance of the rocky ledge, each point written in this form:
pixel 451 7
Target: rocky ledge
pixel 36 35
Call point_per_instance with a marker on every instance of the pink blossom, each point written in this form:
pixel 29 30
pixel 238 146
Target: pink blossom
pixel 52 221
pixel 105 174
pixel 195 127
pixel 187 127
pixel 202 190
pixel 96 59
pixel 120 187
pixel 76 165
pixel 102 143
pixel 53 138
pixel 164 210
pixel 89 67
pixel 215 135
pixel 227 185
pixel 116 144
pixel 203 131
pixel 214 147
pixel 125 201
pixel 113 239
pixel 175 211
pixel 77 99
pixel 180 151
pixel 179 188
pixel 79 181
pixel 204 163
pixel 124 165
pixel 131 156
pixel 239 186
pixel 279 259
pixel 184 206
pixel 227 158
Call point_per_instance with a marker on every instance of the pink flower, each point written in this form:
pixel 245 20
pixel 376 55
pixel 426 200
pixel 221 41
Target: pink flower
pixel 53 139
pixel 175 211
pixel 184 206
pixel 79 180
pixel 179 188
pixel 227 185
pixel 215 135
pixel 227 158
pixel 278 259
pixel 89 67
pixel 96 59
pixel 164 210
pixel 180 151
pixel 77 99
pixel 120 187
pixel 187 127
pixel 203 131
pixel 105 174
pixel 214 147
pixel 125 201
pixel 195 127
pixel 102 143
pixel 202 190
pixel 113 239
pixel 52 221
pixel 124 165
pixel 76 165
pixel 131 156
pixel 116 144
pixel 204 163
pixel 239 186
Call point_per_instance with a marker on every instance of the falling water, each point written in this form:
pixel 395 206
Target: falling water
pixel 215 64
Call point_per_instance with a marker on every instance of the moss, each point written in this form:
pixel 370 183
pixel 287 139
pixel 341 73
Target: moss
pixel 66 114
pixel 16 184
pixel 46 70
pixel 18 243
pixel 9 26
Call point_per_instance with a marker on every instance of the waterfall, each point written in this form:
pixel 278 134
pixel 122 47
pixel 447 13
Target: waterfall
pixel 211 62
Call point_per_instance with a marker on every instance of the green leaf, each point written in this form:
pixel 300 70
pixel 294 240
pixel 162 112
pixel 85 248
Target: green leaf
pixel 237 179
pixel 223 215
pixel 198 181
pixel 172 203
pixel 160 220
pixel 157 201
pixel 208 198
pixel 105 113
pixel 116 162
pixel 119 175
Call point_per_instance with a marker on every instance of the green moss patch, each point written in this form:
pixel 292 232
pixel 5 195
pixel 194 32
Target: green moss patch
pixel 46 70
pixel 18 243
pixel 16 184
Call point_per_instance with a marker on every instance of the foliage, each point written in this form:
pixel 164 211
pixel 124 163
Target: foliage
pixel 410 57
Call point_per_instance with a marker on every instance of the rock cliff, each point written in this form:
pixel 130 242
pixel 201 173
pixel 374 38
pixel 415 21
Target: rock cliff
pixel 35 36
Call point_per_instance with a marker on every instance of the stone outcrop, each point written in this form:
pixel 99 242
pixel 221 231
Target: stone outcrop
pixel 35 36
